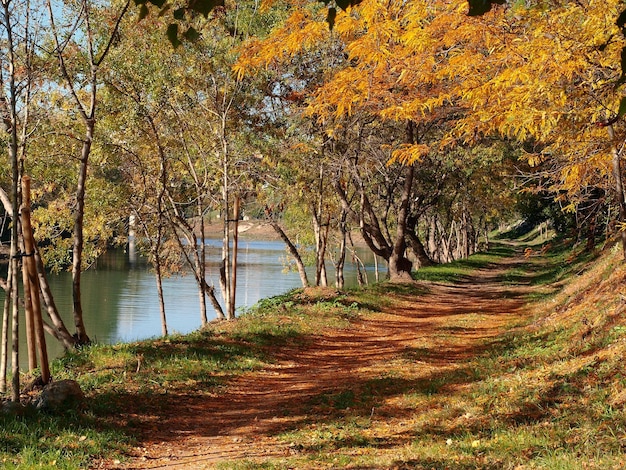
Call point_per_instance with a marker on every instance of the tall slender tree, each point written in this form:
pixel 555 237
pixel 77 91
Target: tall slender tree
pixel 82 33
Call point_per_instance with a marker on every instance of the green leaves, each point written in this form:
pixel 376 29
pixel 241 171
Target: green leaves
pixel 480 7
pixel 332 10
pixel 622 107
pixel 175 31
pixel 172 34
pixel 204 7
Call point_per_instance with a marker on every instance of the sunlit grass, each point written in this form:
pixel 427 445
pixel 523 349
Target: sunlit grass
pixel 463 268
pixel 36 440
pixel 548 394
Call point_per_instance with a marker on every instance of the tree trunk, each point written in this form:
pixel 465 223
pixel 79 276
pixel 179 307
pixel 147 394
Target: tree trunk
pixel 29 317
pixel 341 261
pixel 158 275
pixel 293 251
pixel 361 275
pixel 225 281
pixel 619 187
pixel 4 357
pixel 77 248
pixel 321 234
pixel 416 244
pixel 233 271
pixel 376 270
pixel 210 292
pixel 446 242
pixel 15 353
pixel 180 224
pixel 487 241
pixel 60 331
pixel 399 265
pixel 88 116
pixel 31 282
pixel 202 266
pixel 370 229
pixel 321 241
pixel 11 120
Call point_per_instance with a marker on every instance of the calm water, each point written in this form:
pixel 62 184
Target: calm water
pixel 120 300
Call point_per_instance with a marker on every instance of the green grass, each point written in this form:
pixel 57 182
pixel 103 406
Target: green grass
pixel 463 269
pixel 36 440
pixel 549 394
pixel 134 378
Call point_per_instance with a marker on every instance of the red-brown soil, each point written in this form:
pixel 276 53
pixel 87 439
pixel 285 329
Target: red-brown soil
pixel 448 325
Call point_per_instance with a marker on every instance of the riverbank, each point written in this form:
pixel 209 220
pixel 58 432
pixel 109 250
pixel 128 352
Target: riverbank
pixel 259 229
pixel 256 229
pixel 506 360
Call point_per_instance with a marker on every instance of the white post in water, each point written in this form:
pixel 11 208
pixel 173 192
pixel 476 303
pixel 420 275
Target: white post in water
pixel 132 247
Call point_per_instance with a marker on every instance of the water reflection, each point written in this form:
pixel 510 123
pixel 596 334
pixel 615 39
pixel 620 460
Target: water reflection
pixel 120 300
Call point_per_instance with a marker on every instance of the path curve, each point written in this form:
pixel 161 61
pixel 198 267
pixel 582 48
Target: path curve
pixel 441 330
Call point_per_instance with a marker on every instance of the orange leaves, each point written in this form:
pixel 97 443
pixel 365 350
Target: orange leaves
pixel 300 32
pixel 409 154
pixel 541 74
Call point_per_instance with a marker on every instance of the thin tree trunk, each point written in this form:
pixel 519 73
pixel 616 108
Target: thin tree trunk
pixel 157 244
pixel 226 266
pixel 376 269
pixel 619 187
pixel 487 241
pixel 196 263
pixel 202 267
pixel 210 291
pixel 15 354
pixel 361 276
pixel 32 281
pixel 446 242
pixel 77 247
pixel 88 116
pixel 31 341
pixel 11 120
pixel 321 242
pixel 459 248
pixel 293 251
pixel 465 236
pixel 4 356
pixel 159 285
pixel 321 235
pixel 60 331
pixel 233 271
pixel 339 268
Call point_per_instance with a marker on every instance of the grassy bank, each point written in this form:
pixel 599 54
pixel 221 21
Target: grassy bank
pixel 550 393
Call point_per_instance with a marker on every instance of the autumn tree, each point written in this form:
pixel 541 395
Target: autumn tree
pixel 548 79
pixel 197 145
pixel 171 184
pixel 220 123
pixel 381 79
pixel 80 48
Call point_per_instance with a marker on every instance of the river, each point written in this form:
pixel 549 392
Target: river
pixel 120 300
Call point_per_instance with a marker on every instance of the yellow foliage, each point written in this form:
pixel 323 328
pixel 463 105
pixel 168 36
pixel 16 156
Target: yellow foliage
pixel 541 74
pixel 409 154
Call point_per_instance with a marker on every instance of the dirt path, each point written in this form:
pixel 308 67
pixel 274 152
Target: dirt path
pixel 439 331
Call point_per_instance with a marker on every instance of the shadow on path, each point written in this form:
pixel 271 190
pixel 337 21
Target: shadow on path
pixel 338 374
